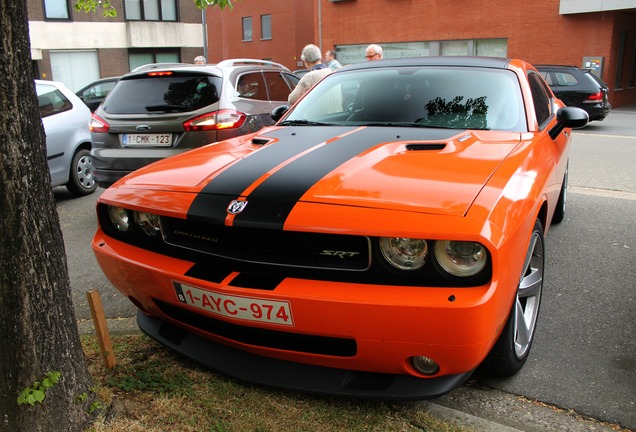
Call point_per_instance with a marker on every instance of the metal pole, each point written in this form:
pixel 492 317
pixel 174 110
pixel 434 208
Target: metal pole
pixel 205 34
pixel 320 25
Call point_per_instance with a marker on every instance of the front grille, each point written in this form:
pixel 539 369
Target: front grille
pixel 286 248
pixel 288 341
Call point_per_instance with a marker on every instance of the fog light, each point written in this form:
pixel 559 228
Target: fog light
pixel 425 365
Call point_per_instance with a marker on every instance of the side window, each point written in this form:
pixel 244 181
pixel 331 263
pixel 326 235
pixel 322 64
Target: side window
pixel 292 80
pixel 53 102
pixel 98 91
pixel 565 79
pixel 252 86
pixel 540 98
pixel 547 76
pixel 277 86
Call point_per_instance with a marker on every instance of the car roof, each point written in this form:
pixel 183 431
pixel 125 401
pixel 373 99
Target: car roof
pixel 468 61
pixel 98 81
pixel 215 69
pixel 552 66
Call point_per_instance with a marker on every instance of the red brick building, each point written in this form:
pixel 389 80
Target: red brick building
pixel 577 32
pixel 243 31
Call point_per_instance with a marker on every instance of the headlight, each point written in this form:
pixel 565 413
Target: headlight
pixel 460 258
pixel 119 217
pixel 404 253
pixel 148 222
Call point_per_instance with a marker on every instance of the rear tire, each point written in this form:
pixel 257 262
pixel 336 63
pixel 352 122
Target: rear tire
pixel 511 350
pixel 80 180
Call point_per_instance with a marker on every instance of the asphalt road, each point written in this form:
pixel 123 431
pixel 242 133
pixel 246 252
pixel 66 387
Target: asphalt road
pixel 584 355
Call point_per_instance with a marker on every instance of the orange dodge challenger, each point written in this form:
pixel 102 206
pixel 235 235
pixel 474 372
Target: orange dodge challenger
pixel 383 239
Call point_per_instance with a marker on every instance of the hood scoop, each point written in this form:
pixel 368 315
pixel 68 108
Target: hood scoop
pixel 425 147
pixel 260 141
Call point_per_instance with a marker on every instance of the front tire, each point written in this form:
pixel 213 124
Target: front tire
pixel 80 180
pixel 511 350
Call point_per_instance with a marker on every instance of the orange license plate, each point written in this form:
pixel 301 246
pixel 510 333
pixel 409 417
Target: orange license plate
pixel 237 307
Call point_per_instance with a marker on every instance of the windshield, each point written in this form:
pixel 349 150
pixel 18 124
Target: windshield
pixel 161 94
pixel 443 97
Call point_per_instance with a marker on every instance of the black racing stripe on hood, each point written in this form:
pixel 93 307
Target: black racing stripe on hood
pixel 238 177
pixel 212 202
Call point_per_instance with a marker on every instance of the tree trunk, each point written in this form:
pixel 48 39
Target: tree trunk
pixel 38 330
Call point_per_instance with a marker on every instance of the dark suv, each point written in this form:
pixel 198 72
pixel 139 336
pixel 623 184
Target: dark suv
pixel 153 113
pixel 578 87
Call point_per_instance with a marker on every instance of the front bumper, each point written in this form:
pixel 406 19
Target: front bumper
pixel 385 325
pixel 296 376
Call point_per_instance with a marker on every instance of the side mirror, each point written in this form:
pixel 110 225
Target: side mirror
pixel 278 112
pixel 570 117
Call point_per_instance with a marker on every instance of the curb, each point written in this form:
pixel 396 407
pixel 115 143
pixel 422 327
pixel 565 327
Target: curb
pixel 463 419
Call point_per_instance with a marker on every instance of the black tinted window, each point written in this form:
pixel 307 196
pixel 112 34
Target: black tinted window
pixel 277 86
pixel 540 98
pixel 158 94
pixel 252 86
pixel 51 101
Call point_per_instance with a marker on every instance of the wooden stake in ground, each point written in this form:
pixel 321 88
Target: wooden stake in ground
pixel 101 329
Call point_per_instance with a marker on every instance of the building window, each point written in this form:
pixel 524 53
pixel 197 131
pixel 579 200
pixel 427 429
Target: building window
pixel 247 29
pixel 453 48
pixel 632 68
pixel 56 9
pixel 150 10
pixel 491 47
pixel 266 27
pixel 138 58
pixel 74 68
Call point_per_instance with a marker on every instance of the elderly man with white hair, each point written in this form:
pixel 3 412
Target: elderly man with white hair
pixel 312 58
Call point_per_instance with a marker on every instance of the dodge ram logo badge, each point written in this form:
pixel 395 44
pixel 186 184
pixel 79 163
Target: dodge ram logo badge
pixel 236 207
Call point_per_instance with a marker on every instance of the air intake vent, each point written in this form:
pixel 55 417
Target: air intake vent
pixel 260 141
pixel 422 147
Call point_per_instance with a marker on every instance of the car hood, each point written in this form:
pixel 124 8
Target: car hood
pixel 436 171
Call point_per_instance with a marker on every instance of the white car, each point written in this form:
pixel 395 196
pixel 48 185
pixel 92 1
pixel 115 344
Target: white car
pixel 68 141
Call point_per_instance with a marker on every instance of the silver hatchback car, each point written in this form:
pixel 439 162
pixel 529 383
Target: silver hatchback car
pixel 68 141
pixel 156 112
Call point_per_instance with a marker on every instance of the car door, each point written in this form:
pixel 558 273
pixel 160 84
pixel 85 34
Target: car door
pixel 253 99
pixel 54 110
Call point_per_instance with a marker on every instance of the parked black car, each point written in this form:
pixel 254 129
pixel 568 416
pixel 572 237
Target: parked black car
pixel 578 87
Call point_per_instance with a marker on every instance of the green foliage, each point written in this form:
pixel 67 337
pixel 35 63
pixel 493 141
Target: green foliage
pixel 221 4
pixel 97 405
pixel 109 11
pixel 149 376
pixel 37 392
pixel 89 6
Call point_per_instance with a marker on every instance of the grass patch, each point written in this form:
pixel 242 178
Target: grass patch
pixel 154 389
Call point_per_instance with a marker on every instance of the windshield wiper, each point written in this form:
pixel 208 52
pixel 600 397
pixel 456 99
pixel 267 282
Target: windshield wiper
pixel 303 123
